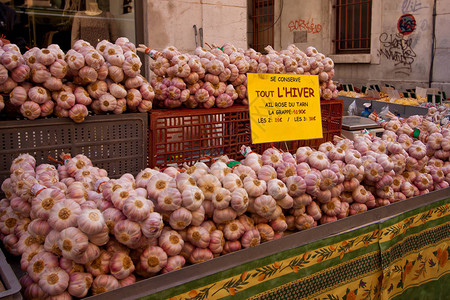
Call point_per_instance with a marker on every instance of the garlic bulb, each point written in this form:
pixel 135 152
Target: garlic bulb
pixel 198 236
pixel 121 265
pixel 265 205
pixel 169 199
pixel 233 181
pixel 254 187
pixel 239 200
pixel 271 157
pixel 153 259
pixel 91 221
pixel 54 281
pixel 73 242
pixel 137 208
pixel 127 232
pixel 251 238
pixel 192 197
pixel 180 218
pixel 221 198
pixel 277 189
pixel 208 184
pixel 266 173
pixel 100 265
pixel 104 283
pixel 199 255
pixel 158 183
pixel 64 214
pixel 171 242
pixel 233 230
pixel 79 284
pixel 40 263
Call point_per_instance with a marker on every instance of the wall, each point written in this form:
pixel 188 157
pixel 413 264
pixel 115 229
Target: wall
pixel 402 60
pixel 170 22
pixel 441 70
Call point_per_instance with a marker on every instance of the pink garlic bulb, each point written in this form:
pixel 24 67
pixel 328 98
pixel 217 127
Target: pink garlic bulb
pixel 171 242
pixel 30 110
pixel 18 96
pixel 153 259
pixel 200 255
pixel 78 113
pixel 54 281
pixel 104 283
pixel 152 226
pixel 90 221
pixel 40 263
pixel 107 102
pixel 100 265
pixel 58 69
pixel 73 242
pixel 64 214
pixel 79 284
pixel 21 73
pixel 137 208
pixel 169 199
pixel 127 232
pixel 251 238
pixel 121 265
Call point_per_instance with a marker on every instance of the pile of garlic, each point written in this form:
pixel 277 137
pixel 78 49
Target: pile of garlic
pixel 47 81
pixel 217 77
pixel 79 232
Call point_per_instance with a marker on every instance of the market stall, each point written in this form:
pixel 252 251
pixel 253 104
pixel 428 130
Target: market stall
pixel 213 215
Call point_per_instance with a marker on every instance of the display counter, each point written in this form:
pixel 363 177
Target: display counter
pixel 400 250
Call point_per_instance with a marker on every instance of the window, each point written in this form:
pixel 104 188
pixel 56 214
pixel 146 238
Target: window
pixel 353 26
pixel 39 23
pixel 262 19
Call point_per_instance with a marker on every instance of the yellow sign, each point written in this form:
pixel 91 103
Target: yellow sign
pixel 284 107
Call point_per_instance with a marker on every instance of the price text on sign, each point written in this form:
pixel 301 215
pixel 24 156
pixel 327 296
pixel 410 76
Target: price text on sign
pixel 284 107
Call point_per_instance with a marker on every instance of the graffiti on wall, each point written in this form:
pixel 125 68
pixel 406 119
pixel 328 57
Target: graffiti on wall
pixel 406 24
pixel 412 6
pixel 305 25
pixel 397 48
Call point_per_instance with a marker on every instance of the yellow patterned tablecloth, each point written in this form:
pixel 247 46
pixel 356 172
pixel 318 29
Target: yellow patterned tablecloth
pixel 402 257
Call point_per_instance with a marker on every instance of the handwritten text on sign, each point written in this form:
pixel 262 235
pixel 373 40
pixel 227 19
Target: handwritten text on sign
pixel 284 107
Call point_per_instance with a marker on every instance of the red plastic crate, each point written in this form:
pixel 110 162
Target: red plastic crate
pixel 187 135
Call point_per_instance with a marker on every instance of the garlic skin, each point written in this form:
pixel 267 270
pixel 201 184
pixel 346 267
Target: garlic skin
pixel 121 266
pixel 254 187
pixel 171 242
pixel 277 189
pixel 174 263
pixel 199 255
pixel 73 242
pixel 54 281
pixel 91 221
pixel 208 184
pixel 153 259
pixel 233 181
pixel 40 263
pixel 169 199
pixel 265 206
pixel 251 238
pixel 127 232
pixel 64 214
pixel 104 283
pixel 198 236
pixel 137 208
pixel 79 284
pixel 221 198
